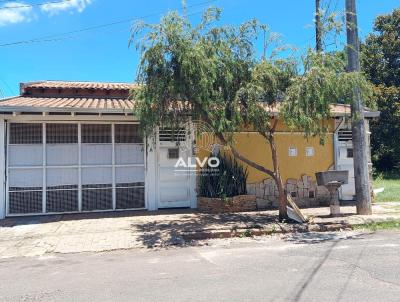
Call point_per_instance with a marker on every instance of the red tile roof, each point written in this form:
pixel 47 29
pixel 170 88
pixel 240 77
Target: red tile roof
pixel 79 85
pixel 22 103
pixel 47 96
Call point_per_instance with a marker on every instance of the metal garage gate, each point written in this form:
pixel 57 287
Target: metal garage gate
pixel 74 167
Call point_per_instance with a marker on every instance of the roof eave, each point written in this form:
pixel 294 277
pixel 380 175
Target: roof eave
pixel 55 109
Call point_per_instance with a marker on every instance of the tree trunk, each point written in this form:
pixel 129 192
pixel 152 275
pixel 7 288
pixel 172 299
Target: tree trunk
pixel 275 174
pixel 278 180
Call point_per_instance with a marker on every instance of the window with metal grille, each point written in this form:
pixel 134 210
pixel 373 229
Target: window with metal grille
pixel 96 133
pixel 350 153
pixel 61 133
pixel 127 134
pixel 345 135
pixel 172 135
pixel 173 153
pixel 25 133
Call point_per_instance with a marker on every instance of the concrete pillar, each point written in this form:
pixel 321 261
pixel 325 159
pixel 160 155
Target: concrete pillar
pixel 151 174
pixel 2 170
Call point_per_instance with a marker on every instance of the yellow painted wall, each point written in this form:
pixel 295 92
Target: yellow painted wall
pixel 255 147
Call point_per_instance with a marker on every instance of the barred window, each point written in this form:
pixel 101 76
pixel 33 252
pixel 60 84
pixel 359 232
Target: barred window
pixel 127 134
pixel 62 133
pixel 172 135
pixel 25 133
pixel 96 133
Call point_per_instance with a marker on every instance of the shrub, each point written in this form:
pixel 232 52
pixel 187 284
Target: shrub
pixel 227 180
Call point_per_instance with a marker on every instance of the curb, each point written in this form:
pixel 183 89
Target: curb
pixel 249 232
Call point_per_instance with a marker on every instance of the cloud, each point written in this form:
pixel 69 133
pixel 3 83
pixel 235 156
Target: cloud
pixel 55 8
pixel 15 12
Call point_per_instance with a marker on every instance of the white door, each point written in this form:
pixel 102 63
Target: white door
pixel 174 183
pixel 345 162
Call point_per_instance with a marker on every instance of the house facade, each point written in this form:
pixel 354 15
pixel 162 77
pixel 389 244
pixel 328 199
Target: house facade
pixel 68 147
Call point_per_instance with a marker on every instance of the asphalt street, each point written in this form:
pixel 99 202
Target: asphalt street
pixel 302 267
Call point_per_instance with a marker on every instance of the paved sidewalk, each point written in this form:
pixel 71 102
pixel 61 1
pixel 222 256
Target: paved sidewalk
pixel 35 236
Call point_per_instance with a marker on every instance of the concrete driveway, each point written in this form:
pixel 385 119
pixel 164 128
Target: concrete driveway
pixel 297 267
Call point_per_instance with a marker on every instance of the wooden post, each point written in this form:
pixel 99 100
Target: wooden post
pixel 361 173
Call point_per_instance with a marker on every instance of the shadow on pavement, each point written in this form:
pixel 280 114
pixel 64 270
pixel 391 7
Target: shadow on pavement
pixel 167 233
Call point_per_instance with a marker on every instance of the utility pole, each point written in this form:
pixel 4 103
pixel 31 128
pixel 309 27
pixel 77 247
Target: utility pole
pixel 361 173
pixel 318 26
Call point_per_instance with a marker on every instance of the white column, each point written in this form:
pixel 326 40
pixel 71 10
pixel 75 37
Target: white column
pixel 192 176
pixel 2 170
pixel 44 183
pixel 114 190
pixel 151 175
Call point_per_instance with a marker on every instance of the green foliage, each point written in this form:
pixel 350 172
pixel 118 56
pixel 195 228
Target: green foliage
pixel 381 64
pixel 391 182
pixel 381 51
pixel 211 73
pixel 379 225
pixel 194 71
pixel 385 141
pixel 324 81
pixel 227 180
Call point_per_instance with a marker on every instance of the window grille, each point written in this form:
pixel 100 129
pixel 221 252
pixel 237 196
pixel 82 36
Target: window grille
pixel 173 153
pixel 62 133
pixel 130 197
pixel 62 199
pixel 345 135
pixel 127 134
pixel 97 189
pixel 172 135
pixel 350 153
pixel 96 133
pixel 25 202
pixel 97 197
pixel 25 133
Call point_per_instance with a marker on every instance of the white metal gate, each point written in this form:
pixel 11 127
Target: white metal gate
pixel 174 184
pixel 63 167
pixel 345 162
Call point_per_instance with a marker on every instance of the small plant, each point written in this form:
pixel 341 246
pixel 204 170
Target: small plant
pixel 246 233
pixel 227 180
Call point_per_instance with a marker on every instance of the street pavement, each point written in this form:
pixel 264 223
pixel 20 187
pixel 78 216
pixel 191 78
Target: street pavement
pixel 342 266
pixel 101 232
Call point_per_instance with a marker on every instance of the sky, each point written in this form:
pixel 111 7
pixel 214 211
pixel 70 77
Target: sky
pixel 87 40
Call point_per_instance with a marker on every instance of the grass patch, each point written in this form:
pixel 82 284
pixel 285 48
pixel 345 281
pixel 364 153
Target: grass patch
pixel 375 226
pixel 391 183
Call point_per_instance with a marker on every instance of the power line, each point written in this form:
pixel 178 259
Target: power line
pixel 33 4
pixel 77 31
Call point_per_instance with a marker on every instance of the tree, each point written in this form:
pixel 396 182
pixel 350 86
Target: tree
pixel 211 73
pixel 381 64
pixel 381 51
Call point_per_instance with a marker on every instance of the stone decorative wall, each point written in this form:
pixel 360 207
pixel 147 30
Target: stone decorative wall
pixel 240 203
pixel 304 192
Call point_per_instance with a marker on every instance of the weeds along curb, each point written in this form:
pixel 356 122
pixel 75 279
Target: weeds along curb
pixel 275 229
